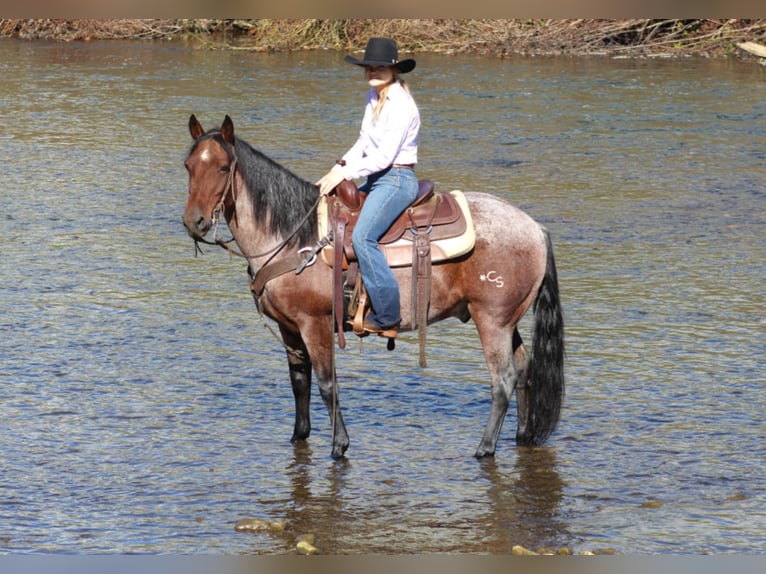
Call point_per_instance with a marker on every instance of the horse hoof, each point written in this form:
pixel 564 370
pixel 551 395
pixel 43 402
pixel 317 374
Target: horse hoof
pixel 339 452
pixel 527 439
pixel 481 453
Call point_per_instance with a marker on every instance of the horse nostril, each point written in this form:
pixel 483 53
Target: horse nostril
pixel 190 225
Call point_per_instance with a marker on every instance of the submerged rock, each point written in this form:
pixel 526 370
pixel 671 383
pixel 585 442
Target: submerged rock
pixel 605 551
pixel 521 551
pixel 259 525
pixel 310 538
pixel 305 545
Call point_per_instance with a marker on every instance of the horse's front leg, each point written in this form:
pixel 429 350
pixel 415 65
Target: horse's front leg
pixel 299 363
pixel 321 343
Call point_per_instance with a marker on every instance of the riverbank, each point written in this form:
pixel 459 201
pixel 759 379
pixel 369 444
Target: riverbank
pixel 628 38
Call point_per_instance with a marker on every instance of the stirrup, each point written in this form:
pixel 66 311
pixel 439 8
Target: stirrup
pixel 370 327
pixel 357 324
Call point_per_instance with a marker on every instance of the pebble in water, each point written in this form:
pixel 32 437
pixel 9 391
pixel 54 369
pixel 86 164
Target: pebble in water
pixel 305 545
pixel 521 551
pixel 259 525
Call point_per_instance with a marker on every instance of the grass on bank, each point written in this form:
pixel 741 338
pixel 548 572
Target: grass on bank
pixel 635 37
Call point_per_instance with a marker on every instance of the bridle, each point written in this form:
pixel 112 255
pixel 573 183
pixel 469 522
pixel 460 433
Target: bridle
pixel 215 217
pixel 229 189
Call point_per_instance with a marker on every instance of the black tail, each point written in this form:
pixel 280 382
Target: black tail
pixel 544 376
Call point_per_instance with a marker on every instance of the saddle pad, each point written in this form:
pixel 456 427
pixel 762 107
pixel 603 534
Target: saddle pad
pixel 399 252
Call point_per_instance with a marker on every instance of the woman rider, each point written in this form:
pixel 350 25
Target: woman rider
pixel 385 153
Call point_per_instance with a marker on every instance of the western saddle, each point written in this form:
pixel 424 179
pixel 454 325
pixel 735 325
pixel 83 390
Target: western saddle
pixel 431 216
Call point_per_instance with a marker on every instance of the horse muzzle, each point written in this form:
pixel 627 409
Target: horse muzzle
pixel 196 224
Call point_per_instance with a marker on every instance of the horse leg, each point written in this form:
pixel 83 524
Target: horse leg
pixel 299 363
pixel 497 350
pixel 340 435
pixel 520 360
pixel 322 345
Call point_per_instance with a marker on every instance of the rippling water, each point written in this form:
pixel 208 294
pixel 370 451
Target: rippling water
pixel 147 407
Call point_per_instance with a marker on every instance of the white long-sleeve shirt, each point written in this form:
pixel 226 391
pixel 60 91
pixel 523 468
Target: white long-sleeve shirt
pixel 392 139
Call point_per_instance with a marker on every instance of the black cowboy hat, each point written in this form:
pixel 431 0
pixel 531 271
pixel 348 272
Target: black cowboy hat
pixel 382 52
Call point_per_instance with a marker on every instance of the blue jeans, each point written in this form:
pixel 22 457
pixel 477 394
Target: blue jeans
pixel 389 192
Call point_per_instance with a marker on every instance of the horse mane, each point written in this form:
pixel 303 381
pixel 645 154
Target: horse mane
pixel 279 197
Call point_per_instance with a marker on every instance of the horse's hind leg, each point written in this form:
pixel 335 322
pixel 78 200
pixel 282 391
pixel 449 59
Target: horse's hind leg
pixel 497 350
pixel 520 361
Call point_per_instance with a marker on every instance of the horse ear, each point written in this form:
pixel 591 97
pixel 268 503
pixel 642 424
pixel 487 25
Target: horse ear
pixel 195 128
pixel 227 130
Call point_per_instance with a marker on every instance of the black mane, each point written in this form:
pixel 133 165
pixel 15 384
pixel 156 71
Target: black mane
pixel 278 195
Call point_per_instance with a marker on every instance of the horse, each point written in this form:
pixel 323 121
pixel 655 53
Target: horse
pixel 271 214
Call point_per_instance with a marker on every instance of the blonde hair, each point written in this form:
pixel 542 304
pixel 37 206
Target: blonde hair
pixel 384 92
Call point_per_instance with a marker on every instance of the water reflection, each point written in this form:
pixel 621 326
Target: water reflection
pixel 516 505
pixel 524 507
pixel 317 509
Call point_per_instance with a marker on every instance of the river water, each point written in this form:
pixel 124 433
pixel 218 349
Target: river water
pixel 146 406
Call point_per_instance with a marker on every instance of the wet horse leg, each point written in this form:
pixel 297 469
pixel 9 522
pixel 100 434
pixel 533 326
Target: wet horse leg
pixel 340 435
pixel 299 364
pixel 520 360
pixel 320 343
pixel 497 351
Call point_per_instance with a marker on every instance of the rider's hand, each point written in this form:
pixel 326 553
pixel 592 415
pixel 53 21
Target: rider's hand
pixel 330 180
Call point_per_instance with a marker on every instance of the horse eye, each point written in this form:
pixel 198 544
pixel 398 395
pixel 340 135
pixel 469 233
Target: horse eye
pixel 223 169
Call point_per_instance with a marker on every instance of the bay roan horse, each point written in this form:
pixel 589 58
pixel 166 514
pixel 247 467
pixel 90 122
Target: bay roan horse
pixel 271 214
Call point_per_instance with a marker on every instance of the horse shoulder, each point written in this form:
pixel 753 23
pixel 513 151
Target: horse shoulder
pixel 295 299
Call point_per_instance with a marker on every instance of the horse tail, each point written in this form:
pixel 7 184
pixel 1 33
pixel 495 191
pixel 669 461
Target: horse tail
pixel 544 376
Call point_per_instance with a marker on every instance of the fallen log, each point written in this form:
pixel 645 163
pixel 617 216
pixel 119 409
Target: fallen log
pixel 753 48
